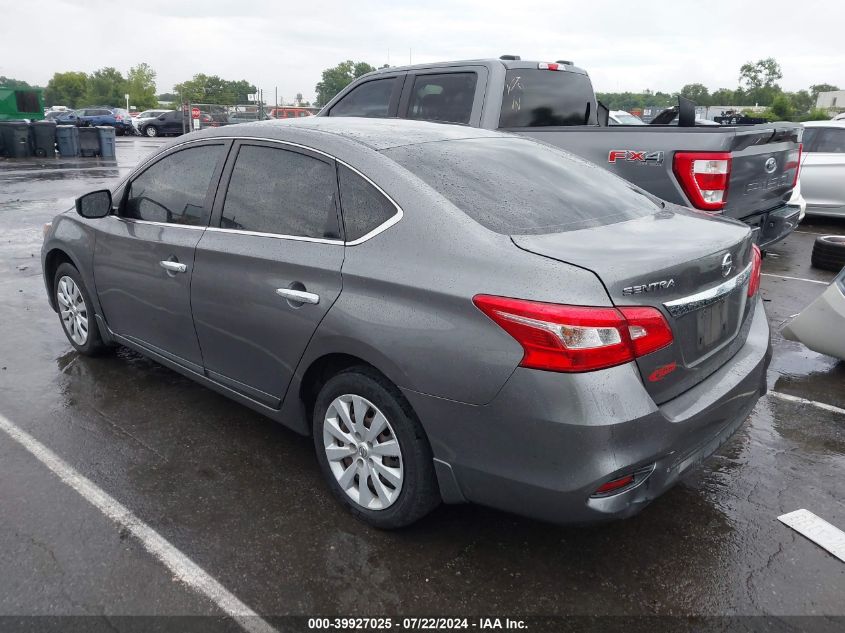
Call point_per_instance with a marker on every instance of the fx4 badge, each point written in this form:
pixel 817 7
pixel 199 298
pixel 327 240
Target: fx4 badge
pixel 633 156
pixel 664 284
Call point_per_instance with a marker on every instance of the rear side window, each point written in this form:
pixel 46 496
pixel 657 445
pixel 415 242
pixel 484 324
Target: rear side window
pixel 282 192
pixel 174 189
pixel 539 98
pixel 364 207
pixel 370 99
pixel 447 97
pixel 516 186
pixel 831 140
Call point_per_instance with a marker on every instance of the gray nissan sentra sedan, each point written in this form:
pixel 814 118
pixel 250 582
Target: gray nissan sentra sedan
pixel 453 314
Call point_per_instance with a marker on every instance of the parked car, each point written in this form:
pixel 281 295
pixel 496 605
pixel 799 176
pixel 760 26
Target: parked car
pixel 145 116
pixel 839 117
pixel 823 168
pixel 744 172
pixel 118 118
pixel 168 123
pixel 288 112
pixel 816 323
pixel 620 117
pixel 452 313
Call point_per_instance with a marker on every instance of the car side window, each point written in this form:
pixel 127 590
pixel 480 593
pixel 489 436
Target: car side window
pixel 831 141
pixel 282 192
pixel 174 189
pixel 364 207
pixel 370 99
pixel 809 138
pixel 446 97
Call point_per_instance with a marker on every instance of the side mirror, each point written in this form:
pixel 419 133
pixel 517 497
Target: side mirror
pixel 96 204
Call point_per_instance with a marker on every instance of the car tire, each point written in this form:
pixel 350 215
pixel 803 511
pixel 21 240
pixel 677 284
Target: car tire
pixel 829 252
pixel 399 485
pixel 151 131
pixel 72 297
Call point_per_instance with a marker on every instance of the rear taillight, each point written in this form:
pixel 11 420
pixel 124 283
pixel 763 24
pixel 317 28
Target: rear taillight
pixel 577 338
pixel 756 266
pixel 793 161
pixel 704 178
pixel 550 66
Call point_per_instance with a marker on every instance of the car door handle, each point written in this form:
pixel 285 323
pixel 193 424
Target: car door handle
pixel 299 296
pixel 173 267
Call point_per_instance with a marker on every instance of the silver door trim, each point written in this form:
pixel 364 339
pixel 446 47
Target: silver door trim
pixel 394 219
pixel 299 296
pixel 699 300
pixel 151 223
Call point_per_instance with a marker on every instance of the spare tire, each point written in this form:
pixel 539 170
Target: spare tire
pixel 829 252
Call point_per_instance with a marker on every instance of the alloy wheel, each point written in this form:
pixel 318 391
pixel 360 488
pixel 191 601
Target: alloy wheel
pixel 363 452
pixel 151 131
pixel 72 309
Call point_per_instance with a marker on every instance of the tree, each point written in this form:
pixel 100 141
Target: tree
pixel 802 101
pixel 781 107
pixel 141 86
pixel 697 93
pixel 14 84
pixel 336 79
pixel 723 97
pixel 760 80
pixel 67 89
pixel 212 89
pixel 106 87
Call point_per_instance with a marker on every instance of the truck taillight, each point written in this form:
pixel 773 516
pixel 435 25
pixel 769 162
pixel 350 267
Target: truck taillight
pixel 793 161
pixel 550 66
pixel 568 338
pixel 756 270
pixel 704 177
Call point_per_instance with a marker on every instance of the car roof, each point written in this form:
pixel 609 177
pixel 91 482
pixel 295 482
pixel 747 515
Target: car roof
pixel 507 63
pixel 824 124
pixel 376 134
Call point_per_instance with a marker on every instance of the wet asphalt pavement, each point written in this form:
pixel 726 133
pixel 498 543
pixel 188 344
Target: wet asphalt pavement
pixel 243 497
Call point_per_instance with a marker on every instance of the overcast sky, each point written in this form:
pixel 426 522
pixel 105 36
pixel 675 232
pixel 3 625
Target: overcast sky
pixel 287 43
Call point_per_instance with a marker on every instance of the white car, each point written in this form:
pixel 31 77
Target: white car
pixel 823 168
pixel 146 115
pixel 839 117
pixel 826 315
pixel 620 117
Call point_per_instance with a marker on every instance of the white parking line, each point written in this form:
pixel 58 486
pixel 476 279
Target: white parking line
pixel 180 565
pixel 812 281
pixel 819 405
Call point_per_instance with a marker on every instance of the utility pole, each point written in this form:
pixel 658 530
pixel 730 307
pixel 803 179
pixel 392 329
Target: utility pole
pixel 277 96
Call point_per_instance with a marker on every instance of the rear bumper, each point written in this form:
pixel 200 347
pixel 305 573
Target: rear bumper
pixel 773 226
pixel 547 441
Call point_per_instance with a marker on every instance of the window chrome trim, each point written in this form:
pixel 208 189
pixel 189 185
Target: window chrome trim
pixel 151 223
pixel 394 219
pixel 699 300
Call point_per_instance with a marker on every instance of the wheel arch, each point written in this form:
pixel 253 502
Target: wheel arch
pixel 54 258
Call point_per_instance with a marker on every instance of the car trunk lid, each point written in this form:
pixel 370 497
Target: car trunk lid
pixel 692 267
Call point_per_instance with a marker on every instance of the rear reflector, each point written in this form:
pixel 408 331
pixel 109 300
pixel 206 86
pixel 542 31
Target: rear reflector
pixel 614 484
pixel 756 266
pixel 704 177
pixel 577 338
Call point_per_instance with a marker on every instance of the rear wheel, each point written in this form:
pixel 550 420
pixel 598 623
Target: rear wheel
pixel 75 312
pixel 150 131
pixel 372 450
pixel 829 252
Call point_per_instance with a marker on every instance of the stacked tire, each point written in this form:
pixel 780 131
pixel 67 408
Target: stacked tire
pixel 829 252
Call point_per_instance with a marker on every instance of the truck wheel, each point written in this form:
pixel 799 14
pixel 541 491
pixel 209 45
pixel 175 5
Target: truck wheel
pixel 829 252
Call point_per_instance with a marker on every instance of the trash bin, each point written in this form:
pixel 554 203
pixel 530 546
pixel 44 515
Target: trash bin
pixel 106 136
pixel 89 141
pixel 44 138
pixel 67 138
pixel 16 142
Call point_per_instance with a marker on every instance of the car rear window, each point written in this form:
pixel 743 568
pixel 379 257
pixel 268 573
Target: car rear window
pixel 540 98
pixel 517 186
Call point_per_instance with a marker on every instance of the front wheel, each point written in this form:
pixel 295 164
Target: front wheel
pixel 373 451
pixel 75 312
pixel 151 131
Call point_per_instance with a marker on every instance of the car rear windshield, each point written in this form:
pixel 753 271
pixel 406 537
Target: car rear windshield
pixel 517 186
pixel 540 98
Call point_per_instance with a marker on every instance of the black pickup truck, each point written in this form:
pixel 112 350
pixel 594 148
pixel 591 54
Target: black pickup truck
pixel 745 172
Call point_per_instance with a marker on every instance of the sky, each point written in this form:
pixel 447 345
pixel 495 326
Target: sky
pixel 285 45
